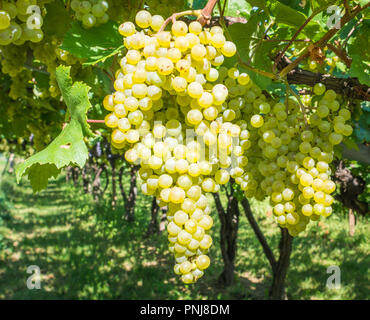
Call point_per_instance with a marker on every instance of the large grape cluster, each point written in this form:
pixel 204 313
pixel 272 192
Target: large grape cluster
pixel 91 12
pixel 20 21
pixel 288 160
pixel 165 96
pixel 192 124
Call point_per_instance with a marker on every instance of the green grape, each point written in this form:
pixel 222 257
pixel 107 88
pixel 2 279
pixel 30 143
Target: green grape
pixel 319 89
pixel 4 20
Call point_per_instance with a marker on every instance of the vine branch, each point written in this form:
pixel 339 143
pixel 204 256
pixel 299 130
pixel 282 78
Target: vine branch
pixel 294 37
pixel 323 41
pixel 341 54
pixel 350 87
pixel 206 13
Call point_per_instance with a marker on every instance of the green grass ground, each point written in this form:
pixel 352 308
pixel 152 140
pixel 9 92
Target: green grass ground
pixel 86 251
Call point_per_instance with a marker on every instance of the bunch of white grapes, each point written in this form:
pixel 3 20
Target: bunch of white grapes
pixel 288 160
pixel 164 90
pixel 192 124
pixel 91 12
pixel 20 21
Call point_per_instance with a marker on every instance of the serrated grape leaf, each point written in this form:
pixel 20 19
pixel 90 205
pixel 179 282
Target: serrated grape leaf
pixel 360 69
pixel 290 16
pixel 358 51
pixel 247 37
pixel 236 8
pixel 57 20
pixel 94 45
pixel 286 15
pixel 69 147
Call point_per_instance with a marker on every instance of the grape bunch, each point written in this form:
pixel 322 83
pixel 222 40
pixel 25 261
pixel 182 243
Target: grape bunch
pixel 193 124
pixel 91 12
pixel 20 21
pixel 165 98
pixel 288 160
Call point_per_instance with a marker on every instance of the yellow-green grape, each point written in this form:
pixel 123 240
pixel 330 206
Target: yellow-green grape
pixel 143 19
pixel 4 20
pixel 257 121
pixel 319 89
pixel 203 262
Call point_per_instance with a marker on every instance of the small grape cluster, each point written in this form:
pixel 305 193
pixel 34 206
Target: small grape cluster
pixel 20 22
pixel 91 12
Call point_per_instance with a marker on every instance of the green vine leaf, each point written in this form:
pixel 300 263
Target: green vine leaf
pixel 290 16
pixel 249 40
pixel 234 8
pixel 94 45
pixel 237 7
pixel 360 66
pixel 56 11
pixel 69 147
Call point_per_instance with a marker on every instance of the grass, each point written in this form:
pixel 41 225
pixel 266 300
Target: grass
pixel 86 251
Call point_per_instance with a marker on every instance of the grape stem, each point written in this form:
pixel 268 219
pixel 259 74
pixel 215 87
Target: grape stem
pixel 94 121
pixel 174 16
pixel 340 53
pixel 300 104
pixel 206 12
pixel 222 12
pixel 281 40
